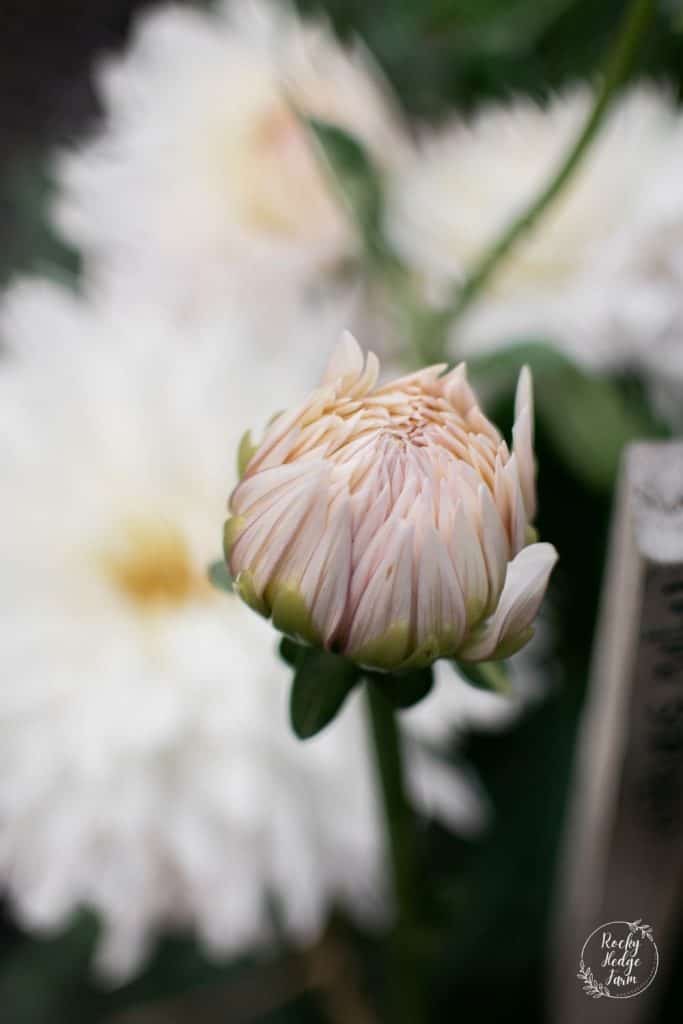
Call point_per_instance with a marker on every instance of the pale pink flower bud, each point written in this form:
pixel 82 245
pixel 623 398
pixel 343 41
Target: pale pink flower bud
pixel 389 523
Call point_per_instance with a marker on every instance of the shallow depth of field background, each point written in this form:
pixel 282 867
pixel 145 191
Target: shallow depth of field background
pixel 438 54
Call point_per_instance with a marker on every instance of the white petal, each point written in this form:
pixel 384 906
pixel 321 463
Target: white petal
pixel 494 544
pixel 468 561
pixel 453 797
pixel 458 390
pixel 332 594
pixel 306 542
pixel 518 518
pixel 368 516
pixel 346 361
pixel 255 493
pixel 524 395
pixel 523 441
pixel 440 606
pixel 367 379
pixel 265 540
pixel 387 599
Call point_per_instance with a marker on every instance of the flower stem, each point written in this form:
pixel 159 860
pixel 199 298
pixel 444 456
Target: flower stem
pixel 618 65
pixel 406 1005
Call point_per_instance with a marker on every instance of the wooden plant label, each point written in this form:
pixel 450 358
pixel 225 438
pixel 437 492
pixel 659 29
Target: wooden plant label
pixel 623 857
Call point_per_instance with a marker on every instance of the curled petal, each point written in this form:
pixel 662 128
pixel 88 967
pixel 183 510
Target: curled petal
pixel 509 627
pixel 348 372
pixel 458 390
pixel 346 361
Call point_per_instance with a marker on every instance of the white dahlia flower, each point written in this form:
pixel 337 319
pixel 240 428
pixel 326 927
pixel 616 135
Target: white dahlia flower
pixel 201 177
pixel 392 523
pixel 147 767
pixel 601 274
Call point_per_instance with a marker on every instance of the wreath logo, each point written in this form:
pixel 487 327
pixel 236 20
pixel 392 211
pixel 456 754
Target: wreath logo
pixel 618 960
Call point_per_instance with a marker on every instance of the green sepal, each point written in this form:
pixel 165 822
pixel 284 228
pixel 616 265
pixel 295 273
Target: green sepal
pixel 289 650
pixel 220 577
pixel 392 651
pixel 403 689
pixel 290 613
pixel 244 452
pixel 433 647
pixel 322 682
pixel 388 651
pixel 243 585
pixel 231 531
pixel 486 675
pixel 531 535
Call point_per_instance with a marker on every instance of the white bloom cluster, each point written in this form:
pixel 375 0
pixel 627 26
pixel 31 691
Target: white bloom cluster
pixel 202 182
pixel 203 178
pixel 601 274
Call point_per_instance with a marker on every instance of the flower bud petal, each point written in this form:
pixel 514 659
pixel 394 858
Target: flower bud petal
pixel 523 440
pixel 379 521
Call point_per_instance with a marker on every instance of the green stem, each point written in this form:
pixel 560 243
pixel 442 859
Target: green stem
pixel 401 838
pixel 617 68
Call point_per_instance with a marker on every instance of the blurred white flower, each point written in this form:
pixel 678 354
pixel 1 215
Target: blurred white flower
pixel 147 767
pixel 602 273
pixel 201 177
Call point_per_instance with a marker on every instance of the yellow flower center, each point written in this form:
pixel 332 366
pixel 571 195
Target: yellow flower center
pixel 151 564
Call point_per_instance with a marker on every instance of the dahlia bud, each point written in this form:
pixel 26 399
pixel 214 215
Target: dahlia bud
pixel 389 524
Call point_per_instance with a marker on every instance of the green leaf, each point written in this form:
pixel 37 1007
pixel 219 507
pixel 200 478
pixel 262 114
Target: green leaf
pixel 353 174
pixel 29 241
pixel 220 577
pixel 586 416
pixel 322 682
pixel 404 689
pixel 291 651
pixel 486 675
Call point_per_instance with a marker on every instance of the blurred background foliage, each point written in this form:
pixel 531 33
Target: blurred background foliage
pixel 492 914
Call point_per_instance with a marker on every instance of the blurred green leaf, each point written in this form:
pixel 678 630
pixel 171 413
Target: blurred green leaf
pixel 41 976
pixel 586 416
pixel 674 10
pixel 30 244
pixel 353 174
pixel 497 26
pixel 405 689
pixel 322 682
pixel 220 576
